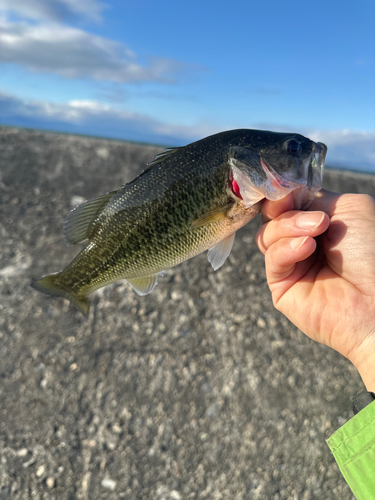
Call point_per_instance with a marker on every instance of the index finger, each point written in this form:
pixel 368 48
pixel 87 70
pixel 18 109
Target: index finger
pixel 272 209
pixel 324 201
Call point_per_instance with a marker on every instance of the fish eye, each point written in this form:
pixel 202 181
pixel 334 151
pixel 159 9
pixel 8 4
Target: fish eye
pixel 293 146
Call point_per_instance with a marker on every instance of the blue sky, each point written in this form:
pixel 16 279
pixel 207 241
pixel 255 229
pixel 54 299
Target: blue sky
pixel 172 72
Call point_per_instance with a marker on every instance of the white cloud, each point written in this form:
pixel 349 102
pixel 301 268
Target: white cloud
pixel 89 105
pixel 54 10
pixel 346 148
pixel 94 118
pixel 73 53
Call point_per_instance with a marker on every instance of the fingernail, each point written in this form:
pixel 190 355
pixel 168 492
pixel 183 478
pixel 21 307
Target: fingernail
pixel 310 220
pixel 296 243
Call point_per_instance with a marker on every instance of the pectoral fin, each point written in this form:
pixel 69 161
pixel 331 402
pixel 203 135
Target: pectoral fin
pixel 218 214
pixel 218 254
pixel 146 284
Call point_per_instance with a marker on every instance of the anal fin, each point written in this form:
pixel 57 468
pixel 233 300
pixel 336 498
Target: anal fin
pixel 218 254
pixel 146 284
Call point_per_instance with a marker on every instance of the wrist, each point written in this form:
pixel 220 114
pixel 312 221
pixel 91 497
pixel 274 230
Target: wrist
pixel 365 365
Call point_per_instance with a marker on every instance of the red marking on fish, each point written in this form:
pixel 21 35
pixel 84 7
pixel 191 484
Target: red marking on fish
pixel 235 189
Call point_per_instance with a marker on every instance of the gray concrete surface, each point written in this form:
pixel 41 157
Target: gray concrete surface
pixel 200 390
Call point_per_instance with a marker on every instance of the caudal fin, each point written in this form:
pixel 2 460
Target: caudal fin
pixel 52 285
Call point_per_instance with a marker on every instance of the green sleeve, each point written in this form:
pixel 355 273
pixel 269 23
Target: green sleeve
pixel 353 447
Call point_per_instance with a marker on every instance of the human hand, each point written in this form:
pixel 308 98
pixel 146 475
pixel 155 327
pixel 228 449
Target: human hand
pixel 322 276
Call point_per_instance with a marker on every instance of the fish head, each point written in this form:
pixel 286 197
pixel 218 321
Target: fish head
pixel 277 164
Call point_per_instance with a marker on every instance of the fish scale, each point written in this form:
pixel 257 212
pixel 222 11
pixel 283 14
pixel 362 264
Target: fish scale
pixel 188 200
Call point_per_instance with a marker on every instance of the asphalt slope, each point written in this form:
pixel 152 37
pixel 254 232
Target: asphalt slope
pixel 200 390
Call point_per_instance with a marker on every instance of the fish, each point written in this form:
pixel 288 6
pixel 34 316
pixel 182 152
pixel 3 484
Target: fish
pixel 188 200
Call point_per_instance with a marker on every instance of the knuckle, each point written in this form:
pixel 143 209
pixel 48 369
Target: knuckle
pixel 359 202
pixel 260 240
pixel 368 202
pixel 276 302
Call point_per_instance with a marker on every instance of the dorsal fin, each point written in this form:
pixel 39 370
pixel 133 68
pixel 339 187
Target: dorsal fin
pixel 78 223
pixel 157 159
pixel 163 156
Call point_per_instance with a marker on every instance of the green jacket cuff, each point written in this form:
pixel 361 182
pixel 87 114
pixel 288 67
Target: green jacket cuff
pixel 353 446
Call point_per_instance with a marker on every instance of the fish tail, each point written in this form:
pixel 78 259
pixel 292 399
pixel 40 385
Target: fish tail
pixel 53 285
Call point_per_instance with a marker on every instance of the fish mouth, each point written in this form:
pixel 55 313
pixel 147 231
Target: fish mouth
pixel 264 181
pixel 316 165
pixel 305 187
pixel 313 175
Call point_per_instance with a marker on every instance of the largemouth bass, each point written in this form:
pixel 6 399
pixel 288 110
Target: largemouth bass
pixel 188 200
